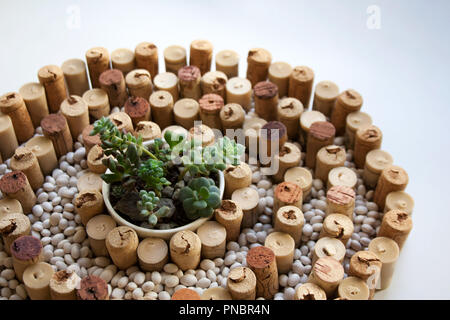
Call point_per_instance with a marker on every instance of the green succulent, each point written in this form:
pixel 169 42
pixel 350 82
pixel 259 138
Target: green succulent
pixel 200 197
pixel 148 204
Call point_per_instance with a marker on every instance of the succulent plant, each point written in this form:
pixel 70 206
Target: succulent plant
pixel 200 197
pixel 148 204
pixel 152 173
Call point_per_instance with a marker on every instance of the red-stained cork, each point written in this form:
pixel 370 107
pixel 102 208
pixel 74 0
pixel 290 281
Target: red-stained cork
pixel 265 90
pixel 111 77
pixel 260 257
pixel 322 130
pixel 185 294
pixel 93 288
pixel 272 127
pixel 288 192
pixel 211 103
pixel 53 123
pixel 136 107
pixel 341 195
pixel 26 248
pixel 189 73
pixel 12 182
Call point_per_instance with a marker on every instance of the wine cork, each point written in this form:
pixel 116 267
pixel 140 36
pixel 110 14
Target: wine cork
pixel 213 237
pixel 138 109
pixel 148 130
pixel 55 127
pixel 146 55
pixel 200 55
pixel 237 177
pixel 347 102
pixel 185 248
pixel 258 63
pixel 283 245
pixel 89 204
pixel 329 157
pixel 98 103
pixel 77 114
pixel 122 121
pixel 247 199
pixel 88 140
pixel 113 83
pixel 26 161
pixel 36 279
pixel 93 288
pixel 388 251
pixel 63 285
pixel 367 138
pixel 185 112
pixel 273 135
pixel 321 134
pixel 327 273
pixel 366 265
pixel 161 103
pixel 89 181
pixel 325 96
pixel 392 178
pixel 353 288
pixel 98 61
pixel 376 161
pixel 122 243
pixel 214 82
pixel 279 73
pixel 52 78
pixel 189 78
pixel 337 226
pixel 396 225
pixel 354 121
pixel 95 159
pixel 8 137
pixel 342 176
pixel 290 220
pixel 289 111
pixel 210 106
pixel 25 251
pixel 307 118
pixel 74 71
pixel 202 133
pixel 266 100
pixel 262 261
pixel 399 200
pixel 42 148
pixel 232 116
pixel 230 215
pixel 139 83
pixel 329 247
pixel 13 226
pixel 123 60
pixel 12 105
pixel 239 90
pixel 153 254
pixel 216 293
pixel 33 94
pixel 301 84
pixel 287 194
pixel 227 61
pixel 15 185
pixel 167 81
pixel 185 294
pixel 252 131
pixel 174 58
pixel 241 283
pixel 301 177
pixel 288 157
pixel 310 291
pixel 341 199
pixel 97 228
pixel 8 206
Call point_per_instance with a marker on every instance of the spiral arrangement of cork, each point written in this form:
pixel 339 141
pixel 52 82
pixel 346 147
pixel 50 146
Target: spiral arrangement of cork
pixel 328 223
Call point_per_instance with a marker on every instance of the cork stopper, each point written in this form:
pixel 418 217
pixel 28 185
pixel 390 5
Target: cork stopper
pixel 175 54
pixel 211 103
pixel 99 226
pixel 92 288
pixel 338 226
pixel 146 49
pixel 184 242
pixel 23 158
pixel 395 175
pixel 332 154
pixel 246 198
pixel 322 130
pixel 351 98
pixel 358 119
pixel 259 56
pixel 50 73
pixel 290 215
pixel 111 77
pixel 265 90
pixel 241 282
pixel 216 293
pixel 260 257
pixel 342 176
pixel 121 237
pixel 137 107
pixel 89 140
pixel 202 133
pixel 369 134
pixel 212 234
pixel 138 78
pixel 290 108
pixel 185 294
pixel 214 82
pixel 53 124
pixel 161 99
pixel 96 54
pixel 353 288
pixel 152 251
pixel 327 90
pixel 363 264
pixel 26 248
pixel 310 291
pixel 399 220
pixel 288 192
pixel 63 284
pixel 148 130
pixel 399 200
pixel 228 209
pixel 87 199
pixel 10 102
pixel 341 195
pixel 386 249
pixel 309 117
pixel 122 121
pixel 300 176
pixel 8 206
pixel 232 112
pixel 329 247
pixel 13 182
pixel 274 129
pixel 189 73
pixel 328 270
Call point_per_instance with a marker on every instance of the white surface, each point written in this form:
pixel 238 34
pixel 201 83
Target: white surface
pixel 401 70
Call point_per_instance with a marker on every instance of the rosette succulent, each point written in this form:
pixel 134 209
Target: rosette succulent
pixel 200 197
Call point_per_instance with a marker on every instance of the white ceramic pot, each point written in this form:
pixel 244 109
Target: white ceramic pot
pixel 162 234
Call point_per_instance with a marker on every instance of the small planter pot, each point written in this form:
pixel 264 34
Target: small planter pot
pixel 147 233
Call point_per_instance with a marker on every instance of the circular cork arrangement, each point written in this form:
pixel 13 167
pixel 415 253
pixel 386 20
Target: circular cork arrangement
pixel 52 248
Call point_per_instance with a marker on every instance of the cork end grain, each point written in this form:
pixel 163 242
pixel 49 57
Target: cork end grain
pixel 341 195
pixel 185 294
pixel 92 288
pixel 13 182
pixel 310 291
pixel 260 257
pixel 322 130
pixel 290 215
pixel 53 124
pixel 364 264
pixel 399 220
pixel 23 157
pixel 351 98
pixel 338 225
pixel 121 237
pixel 137 107
pixel 211 103
pixel 146 49
pixel 88 139
pixel 184 242
pixel 395 175
pixel 26 248
pixel 290 108
pixel 273 130
pixel 50 73
pixel 369 133
pixel 88 199
pixel 228 210
pixel 328 269
pixel 10 102
pixel 111 77
pixel 288 192
pixel 265 90
pixel 259 56
pixel 189 73
pixel 302 74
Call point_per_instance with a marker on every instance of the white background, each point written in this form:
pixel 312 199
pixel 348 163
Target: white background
pixel 402 71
